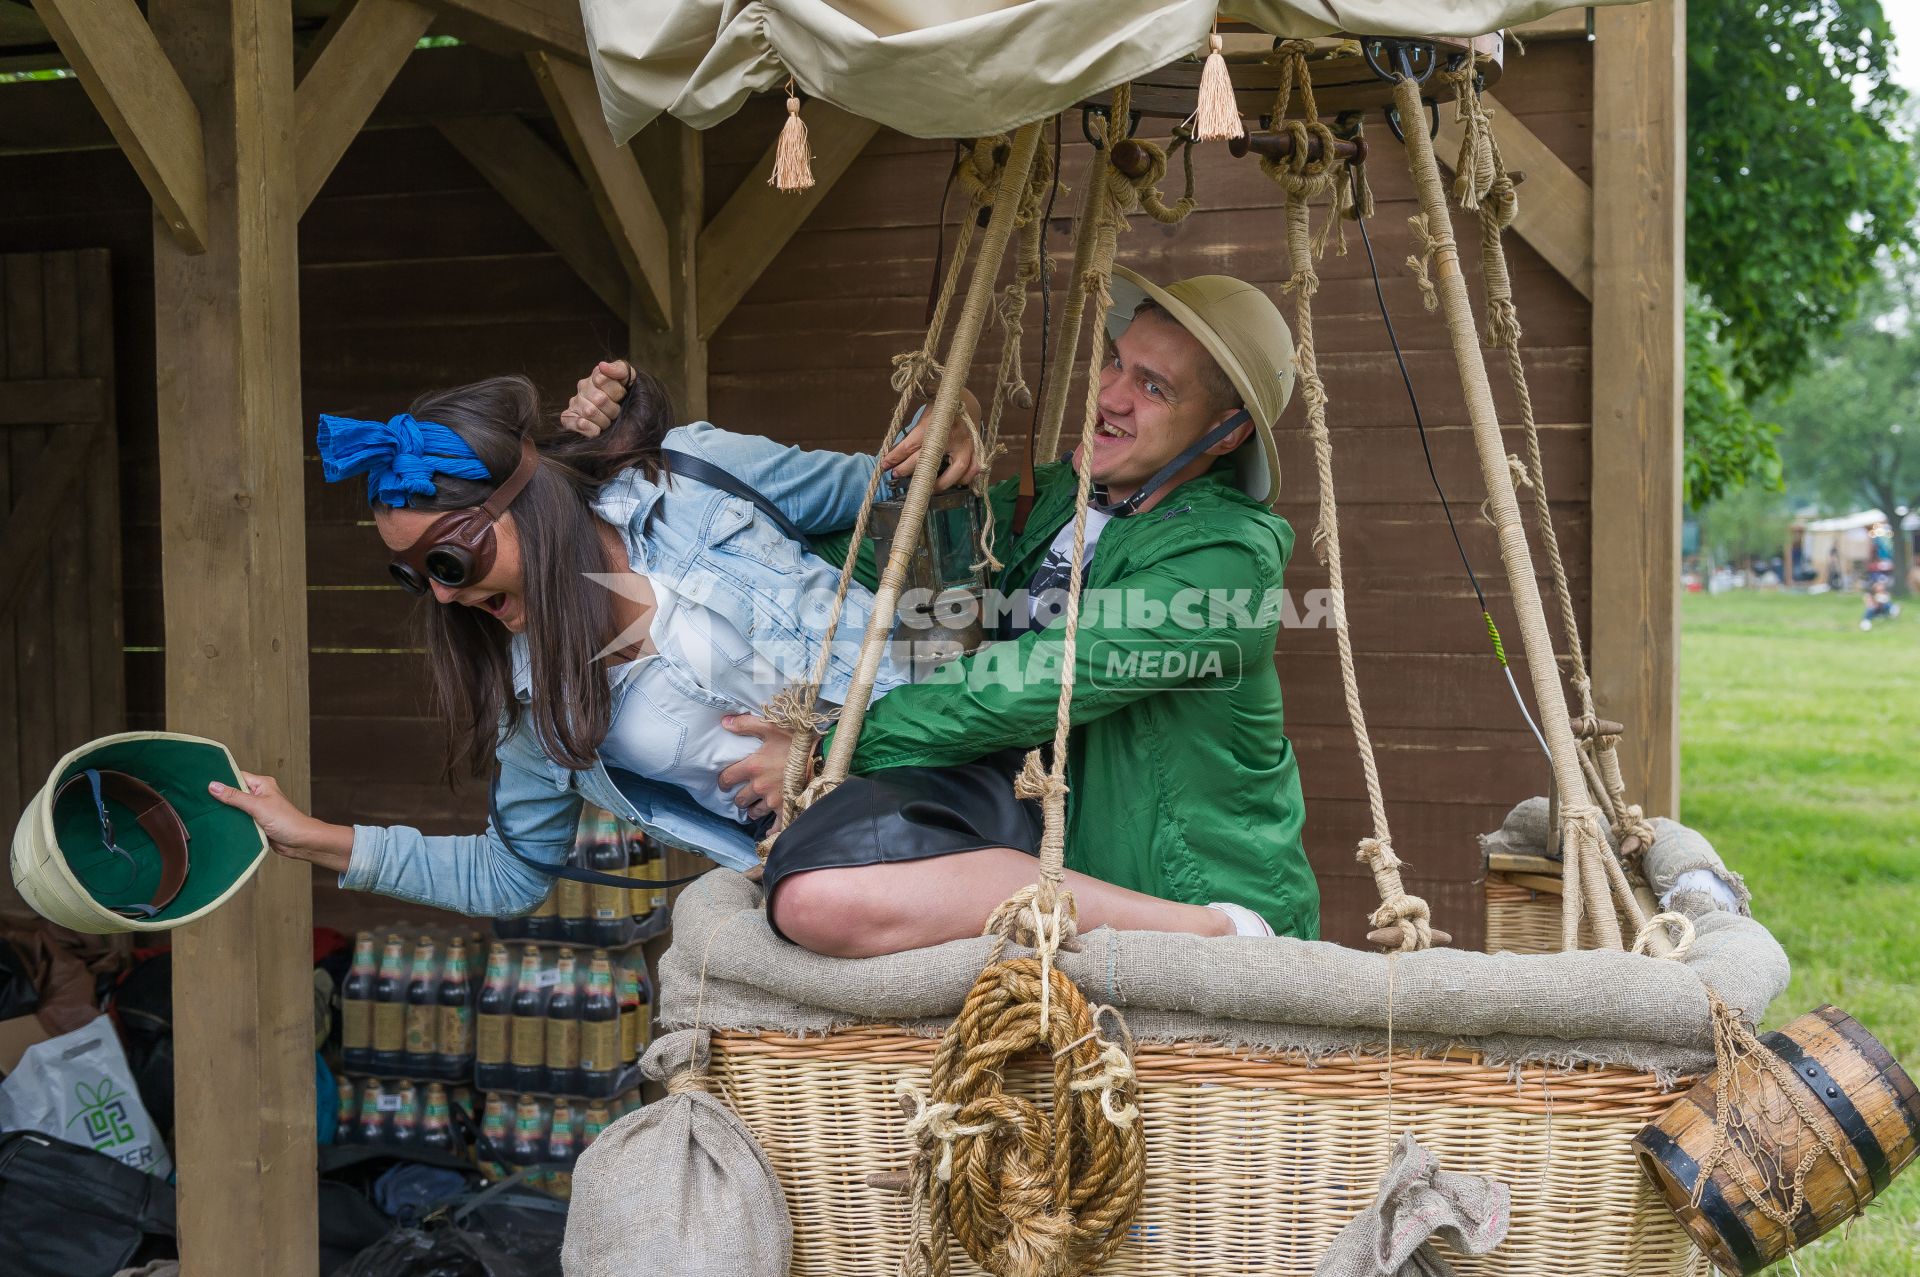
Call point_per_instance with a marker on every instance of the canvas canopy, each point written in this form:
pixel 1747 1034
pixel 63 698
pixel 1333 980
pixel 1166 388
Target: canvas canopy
pixel 949 68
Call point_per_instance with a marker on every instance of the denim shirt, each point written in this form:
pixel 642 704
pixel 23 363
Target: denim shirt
pixel 717 550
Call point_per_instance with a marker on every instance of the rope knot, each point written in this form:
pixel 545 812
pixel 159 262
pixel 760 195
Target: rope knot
pixel 914 372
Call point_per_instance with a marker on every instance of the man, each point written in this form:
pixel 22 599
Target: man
pixel 1184 808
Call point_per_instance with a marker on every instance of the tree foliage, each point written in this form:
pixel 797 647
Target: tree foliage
pixel 1800 173
pixel 1727 447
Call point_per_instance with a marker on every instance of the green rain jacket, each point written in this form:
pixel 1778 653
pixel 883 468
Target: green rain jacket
pixel 1182 781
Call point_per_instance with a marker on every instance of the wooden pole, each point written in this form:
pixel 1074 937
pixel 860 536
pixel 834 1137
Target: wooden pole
pixel 1639 184
pixel 233 571
pixel 671 160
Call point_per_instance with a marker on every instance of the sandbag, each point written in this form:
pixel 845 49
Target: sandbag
pixel 1417 1200
pixel 677 1188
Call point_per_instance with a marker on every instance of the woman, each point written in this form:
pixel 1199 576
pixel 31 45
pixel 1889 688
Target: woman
pixel 595 617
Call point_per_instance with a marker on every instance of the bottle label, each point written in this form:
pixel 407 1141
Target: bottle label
pixel 563 1043
pixel 388 1103
pixel 456 1030
pixel 389 1026
pixel 629 1033
pixel 491 1047
pixel 356 1024
pixel 608 903
pixel 548 977
pixel 529 1041
pixel 573 898
pixel 600 1045
pixel 420 1019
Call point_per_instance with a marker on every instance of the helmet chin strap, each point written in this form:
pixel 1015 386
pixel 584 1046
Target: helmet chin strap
pixel 1131 506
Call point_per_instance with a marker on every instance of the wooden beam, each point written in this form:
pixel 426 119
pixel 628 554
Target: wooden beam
pixel 620 194
pixel 1567 24
pixel 542 188
pixel 342 74
pixel 748 233
pixel 23 539
pixel 670 156
pixel 139 94
pixel 518 26
pixel 53 401
pixel 233 575
pixel 1639 155
pixel 1556 207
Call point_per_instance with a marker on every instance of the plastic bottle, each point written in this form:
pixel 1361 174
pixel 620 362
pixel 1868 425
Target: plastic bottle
pixel 453 1029
pixel 600 1058
pixel 528 1048
pixel 406 1118
pixel 610 922
pixel 544 922
pixel 491 1070
pixel 436 1131
pixel 573 894
pixel 346 1109
pixel 496 1133
pixel 563 1027
pixel 389 1011
pixel 645 984
pixel 421 1010
pixel 375 1112
pixel 657 872
pixel 529 1135
pixel 628 995
pixel 560 1151
pixel 356 1005
pixel 598 1118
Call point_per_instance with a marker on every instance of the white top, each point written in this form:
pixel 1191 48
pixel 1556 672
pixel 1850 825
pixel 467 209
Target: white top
pixel 668 704
pixel 1047 591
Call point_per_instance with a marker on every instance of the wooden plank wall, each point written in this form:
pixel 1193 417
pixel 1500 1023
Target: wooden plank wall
pixel 805 356
pixel 415 274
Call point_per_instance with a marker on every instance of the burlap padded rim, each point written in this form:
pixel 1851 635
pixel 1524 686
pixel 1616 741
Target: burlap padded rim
pixel 727 970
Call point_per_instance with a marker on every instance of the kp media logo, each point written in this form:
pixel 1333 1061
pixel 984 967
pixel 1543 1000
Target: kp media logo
pixel 1211 665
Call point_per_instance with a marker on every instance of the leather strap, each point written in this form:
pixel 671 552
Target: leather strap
pixel 155 815
pixel 714 477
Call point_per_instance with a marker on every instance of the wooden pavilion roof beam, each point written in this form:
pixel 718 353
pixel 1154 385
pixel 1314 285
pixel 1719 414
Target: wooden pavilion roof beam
pixel 141 97
pixel 747 233
pixel 620 193
pixel 1556 206
pixel 340 77
pixel 518 26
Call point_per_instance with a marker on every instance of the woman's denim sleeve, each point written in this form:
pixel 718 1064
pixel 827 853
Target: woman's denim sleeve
pixel 473 873
pixel 820 491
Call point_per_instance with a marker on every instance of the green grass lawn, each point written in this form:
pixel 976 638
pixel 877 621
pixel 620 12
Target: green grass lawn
pixel 1800 760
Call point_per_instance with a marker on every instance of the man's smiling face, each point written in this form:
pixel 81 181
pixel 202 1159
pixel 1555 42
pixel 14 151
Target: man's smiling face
pixel 1159 393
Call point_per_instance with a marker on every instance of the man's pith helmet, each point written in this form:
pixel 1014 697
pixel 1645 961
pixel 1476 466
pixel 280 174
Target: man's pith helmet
pixel 1241 328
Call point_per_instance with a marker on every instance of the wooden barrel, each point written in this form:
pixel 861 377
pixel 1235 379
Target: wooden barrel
pixel 1855 1090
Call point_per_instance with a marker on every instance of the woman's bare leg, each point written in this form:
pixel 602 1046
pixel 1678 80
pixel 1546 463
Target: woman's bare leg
pixel 866 910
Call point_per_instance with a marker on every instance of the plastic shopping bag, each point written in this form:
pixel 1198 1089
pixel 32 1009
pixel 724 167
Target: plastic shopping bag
pixel 77 1088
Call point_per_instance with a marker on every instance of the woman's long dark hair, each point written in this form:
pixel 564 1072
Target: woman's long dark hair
pixel 569 618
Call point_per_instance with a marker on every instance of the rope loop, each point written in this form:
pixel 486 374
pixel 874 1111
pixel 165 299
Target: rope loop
pixel 915 372
pixel 1682 927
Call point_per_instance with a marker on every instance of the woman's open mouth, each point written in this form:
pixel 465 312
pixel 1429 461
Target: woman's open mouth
pixel 495 603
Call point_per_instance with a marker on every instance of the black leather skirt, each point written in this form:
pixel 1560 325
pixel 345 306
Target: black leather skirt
pixel 908 813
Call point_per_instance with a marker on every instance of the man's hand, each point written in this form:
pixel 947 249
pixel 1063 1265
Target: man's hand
pixel 290 832
pixel 596 398
pixel 961 465
pixel 760 774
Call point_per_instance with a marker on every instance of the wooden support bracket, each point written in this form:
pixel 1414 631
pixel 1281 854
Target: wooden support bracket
pixel 342 75
pixel 748 233
pixel 139 94
pixel 518 26
pixel 544 189
pixel 620 193
pixel 1556 214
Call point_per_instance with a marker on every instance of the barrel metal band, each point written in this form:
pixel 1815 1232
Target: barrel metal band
pixel 1727 1224
pixel 1883 1063
pixel 1814 1076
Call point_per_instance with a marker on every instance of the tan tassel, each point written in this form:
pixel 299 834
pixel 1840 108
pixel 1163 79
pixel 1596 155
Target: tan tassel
pixel 1218 116
pixel 792 160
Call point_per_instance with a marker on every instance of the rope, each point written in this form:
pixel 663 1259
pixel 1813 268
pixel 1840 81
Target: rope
pixel 1681 924
pixel 1303 179
pixel 1027 1192
pixel 1483 185
pixel 1583 841
pixel 937 424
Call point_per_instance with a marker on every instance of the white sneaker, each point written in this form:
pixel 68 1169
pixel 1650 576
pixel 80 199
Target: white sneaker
pixel 1866 625
pixel 1245 921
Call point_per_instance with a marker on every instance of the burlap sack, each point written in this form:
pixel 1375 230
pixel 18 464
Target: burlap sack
pixel 1676 850
pixel 677 1188
pixel 1417 1200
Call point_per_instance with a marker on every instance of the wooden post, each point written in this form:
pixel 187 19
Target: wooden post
pixel 1639 185
pixel 233 570
pixel 670 158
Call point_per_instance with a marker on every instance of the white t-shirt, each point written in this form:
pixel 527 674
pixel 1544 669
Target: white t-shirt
pixel 1047 591
pixel 668 704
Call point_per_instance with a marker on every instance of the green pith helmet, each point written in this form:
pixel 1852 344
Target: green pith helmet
pixel 1244 333
pixel 151 788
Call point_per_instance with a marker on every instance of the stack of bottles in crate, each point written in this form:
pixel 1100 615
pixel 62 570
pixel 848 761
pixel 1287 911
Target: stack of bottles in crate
pixel 545 1134
pixel 603 917
pixel 554 1028
pixel 406 1031
pixel 402 1114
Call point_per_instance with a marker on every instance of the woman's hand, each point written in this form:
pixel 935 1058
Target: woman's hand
pixel 760 774
pixel 961 466
pixel 290 832
pixel 596 398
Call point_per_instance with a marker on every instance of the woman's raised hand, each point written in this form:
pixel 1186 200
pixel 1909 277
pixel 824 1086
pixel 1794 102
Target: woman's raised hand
pixel 961 464
pixel 290 832
pixel 596 398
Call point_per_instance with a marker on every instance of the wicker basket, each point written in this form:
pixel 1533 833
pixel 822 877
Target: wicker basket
pixel 1252 1163
pixel 1523 908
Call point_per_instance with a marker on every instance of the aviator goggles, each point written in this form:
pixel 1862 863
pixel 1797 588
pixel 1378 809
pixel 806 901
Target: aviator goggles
pixel 457 549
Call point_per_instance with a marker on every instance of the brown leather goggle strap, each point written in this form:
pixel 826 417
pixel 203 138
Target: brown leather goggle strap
pixel 154 814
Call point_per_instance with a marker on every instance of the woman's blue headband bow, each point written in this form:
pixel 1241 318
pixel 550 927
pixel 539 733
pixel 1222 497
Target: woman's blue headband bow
pixel 400 456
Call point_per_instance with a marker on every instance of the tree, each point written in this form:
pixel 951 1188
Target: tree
pixel 1800 176
pixel 1851 426
pixel 1747 524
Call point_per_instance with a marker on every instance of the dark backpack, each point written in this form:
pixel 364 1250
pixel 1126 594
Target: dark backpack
pixel 67 1211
